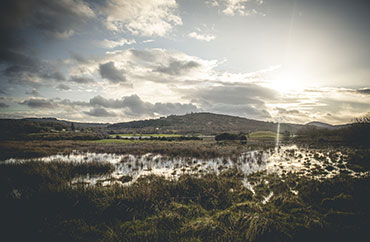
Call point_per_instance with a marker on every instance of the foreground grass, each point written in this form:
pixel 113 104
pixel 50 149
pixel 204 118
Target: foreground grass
pixel 38 204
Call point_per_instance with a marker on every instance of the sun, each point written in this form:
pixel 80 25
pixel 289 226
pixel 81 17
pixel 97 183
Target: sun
pixel 288 80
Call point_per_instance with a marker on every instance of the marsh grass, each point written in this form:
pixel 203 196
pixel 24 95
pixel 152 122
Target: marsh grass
pixel 191 148
pixel 39 204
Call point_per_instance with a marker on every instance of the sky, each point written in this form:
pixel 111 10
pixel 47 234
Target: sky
pixel 119 60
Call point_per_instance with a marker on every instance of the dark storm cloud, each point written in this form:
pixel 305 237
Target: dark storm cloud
pixel 39 103
pixel 12 12
pixel 54 18
pixel 82 80
pixel 133 105
pixel 3 105
pixel 57 18
pixel 177 67
pixel 17 59
pixel 111 73
pixel 31 75
pixel 100 112
pixel 63 87
pixel 23 69
pixel 107 103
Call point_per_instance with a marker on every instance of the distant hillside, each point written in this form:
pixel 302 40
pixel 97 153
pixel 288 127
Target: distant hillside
pixel 203 123
pixel 49 129
pixel 326 125
pixel 68 123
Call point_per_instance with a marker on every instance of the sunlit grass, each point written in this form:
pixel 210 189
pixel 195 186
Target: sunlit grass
pixel 262 134
pixel 128 141
pixel 145 135
pixel 125 141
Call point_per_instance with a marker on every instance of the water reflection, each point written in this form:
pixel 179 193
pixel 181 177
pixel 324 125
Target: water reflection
pixel 305 162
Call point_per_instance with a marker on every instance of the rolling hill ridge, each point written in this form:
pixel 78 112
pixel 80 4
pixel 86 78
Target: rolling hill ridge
pixel 203 123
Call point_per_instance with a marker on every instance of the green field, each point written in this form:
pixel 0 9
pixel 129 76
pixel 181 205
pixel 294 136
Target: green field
pixel 128 141
pixel 145 135
pixel 104 141
pixel 262 134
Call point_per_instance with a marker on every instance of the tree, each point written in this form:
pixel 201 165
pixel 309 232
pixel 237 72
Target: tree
pixel 228 136
pixel 73 127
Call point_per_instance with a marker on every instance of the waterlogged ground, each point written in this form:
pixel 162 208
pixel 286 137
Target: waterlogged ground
pixel 285 194
pixel 313 163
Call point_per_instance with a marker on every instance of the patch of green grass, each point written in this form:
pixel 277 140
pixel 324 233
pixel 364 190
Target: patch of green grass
pixel 126 141
pixel 262 134
pixel 145 135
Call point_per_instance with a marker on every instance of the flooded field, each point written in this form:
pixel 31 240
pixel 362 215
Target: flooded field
pixel 287 193
pixel 312 163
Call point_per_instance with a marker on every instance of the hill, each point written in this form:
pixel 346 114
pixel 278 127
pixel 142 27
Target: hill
pixel 66 123
pixel 202 123
pixel 326 125
pixel 49 129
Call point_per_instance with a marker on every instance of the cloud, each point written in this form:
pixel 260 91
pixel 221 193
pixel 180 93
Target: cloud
pixel 22 69
pixel 34 102
pixel 202 37
pixel 57 18
pixel 146 18
pixel 113 44
pixel 79 58
pixel 174 108
pixel 19 58
pixel 237 7
pixel 134 106
pixel 110 72
pixel 245 110
pixel 3 105
pixel 107 103
pixel 100 112
pixel 65 35
pixel 246 100
pixel 52 74
pixel 137 66
pixel 63 87
pixel 177 67
pixel 233 94
pixel 148 41
pixel 34 93
pixel 81 80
